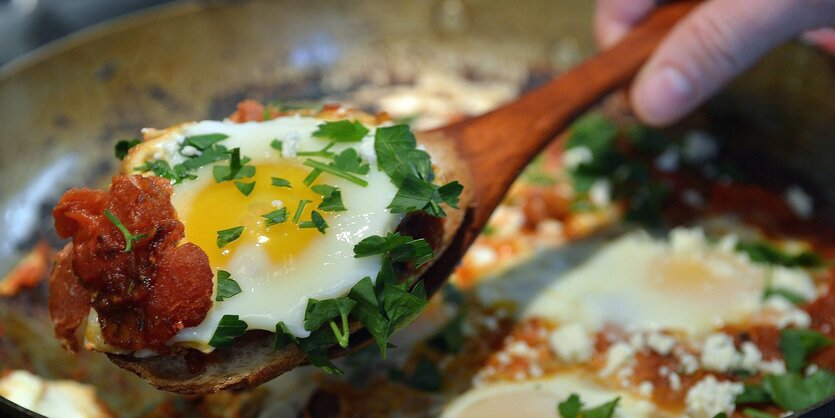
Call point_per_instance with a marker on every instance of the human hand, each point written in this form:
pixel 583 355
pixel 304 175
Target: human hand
pixel 719 40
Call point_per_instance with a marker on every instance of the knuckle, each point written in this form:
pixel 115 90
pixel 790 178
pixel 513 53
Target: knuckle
pixel 720 44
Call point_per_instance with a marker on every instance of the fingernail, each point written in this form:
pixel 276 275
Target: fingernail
pixel 663 96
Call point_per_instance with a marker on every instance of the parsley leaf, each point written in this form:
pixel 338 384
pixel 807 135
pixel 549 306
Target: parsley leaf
pixel 413 195
pixel 797 344
pixel 350 161
pixel 788 295
pixel 237 168
pixel 161 168
pixel 367 311
pixel 331 198
pixel 398 156
pixel 754 413
pixel 300 209
pixel 793 392
pixel 316 221
pixel 341 131
pixel 320 312
pixel 280 182
pixel 122 147
pixel 283 336
pixel 401 306
pixel 763 252
pixel 245 188
pixel 227 330
pixel 403 249
pixel 226 286
pixel 331 170
pixel 450 192
pixel 226 236
pixel 753 394
pixel 321 153
pixel 570 408
pixel 129 237
pixel 202 142
pixel 214 153
pixel 277 145
pixel 276 217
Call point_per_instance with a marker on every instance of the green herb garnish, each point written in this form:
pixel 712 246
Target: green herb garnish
pixel 237 168
pixel 573 408
pixel 332 170
pixel 321 153
pixel 764 252
pixel 202 142
pixel 276 217
pixel 226 236
pixel 226 286
pixel 341 131
pixel 277 145
pixel 331 198
pixel 129 237
pixel 320 312
pixel 403 249
pixel 793 392
pixel 245 188
pixel 754 413
pixel 229 328
pixel 316 221
pixel 798 344
pixel 300 209
pixel 161 168
pixel 350 161
pixel 122 147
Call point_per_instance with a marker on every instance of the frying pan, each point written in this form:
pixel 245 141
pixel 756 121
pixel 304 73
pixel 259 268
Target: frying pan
pixel 63 107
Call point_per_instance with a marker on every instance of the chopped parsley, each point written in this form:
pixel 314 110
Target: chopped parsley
pixel 122 147
pixel 341 131
pixel 788 295
pixel 226 236
pixel 202 142
pixel 573 408
pixel 321 153
pixel 316 221
pixel 401 248
pixel 410 169
pixel 130 238
pixel 276 217
pixel 764 252
pixel 209 155
pixel 320 312
pixel 794 392
pixel 244 187
pixel 331 198
pixel 300 209
pixel 753 413
pixel 798 344
pixel 229 328
pixel 161 168
pixel 283 336
pixel 280 182
pixel 226 286
pixel 331 169
pixel 277 145
pixel 237 168
pixel 348 160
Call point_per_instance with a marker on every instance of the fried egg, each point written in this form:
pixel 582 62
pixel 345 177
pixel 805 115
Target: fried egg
pixel 278 267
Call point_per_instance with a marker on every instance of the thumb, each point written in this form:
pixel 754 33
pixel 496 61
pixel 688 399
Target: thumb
pixel 719 40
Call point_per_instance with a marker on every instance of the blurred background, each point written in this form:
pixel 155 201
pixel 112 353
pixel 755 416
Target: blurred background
pixel 27 24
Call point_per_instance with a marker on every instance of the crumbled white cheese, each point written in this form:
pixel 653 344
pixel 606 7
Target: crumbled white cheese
pixel 775 366
pixel 277 204
pixel 689 363
pixel 675 381
pixel 646 388
pixel 718 353
pixel 796 281
pixel 637 341
pixel 190 151
pixel 699 147
pixel 618 355
pixel 481 255
pixel 600 193
pixel 290 144
pixel 788 314
pixel 688 240
pixel 521 349
pixel 710 397
pixel 751 358
pixel 810 369
pixel 571 343
pixel 800 202
pixel 728 243
pixel 667 161
pixel 661 343
pixel 366 150
pixel 574 157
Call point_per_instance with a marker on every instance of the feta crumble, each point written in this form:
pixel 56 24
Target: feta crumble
pixel 800 202
pixel 710 397
pixel 571 343
pixel 618 355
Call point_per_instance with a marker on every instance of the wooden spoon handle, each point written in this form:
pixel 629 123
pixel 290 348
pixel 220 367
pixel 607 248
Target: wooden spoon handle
pixel 499 144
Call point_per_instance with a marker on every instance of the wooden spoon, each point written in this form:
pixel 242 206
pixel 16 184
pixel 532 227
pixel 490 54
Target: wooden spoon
pixel 485 154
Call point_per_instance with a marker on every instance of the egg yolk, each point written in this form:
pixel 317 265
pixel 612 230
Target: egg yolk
pixel 220 206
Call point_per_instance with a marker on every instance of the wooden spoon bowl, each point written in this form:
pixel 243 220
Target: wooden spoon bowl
pixel 485 154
